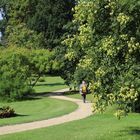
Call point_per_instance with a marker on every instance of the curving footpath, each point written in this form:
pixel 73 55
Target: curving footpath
pixel 83 111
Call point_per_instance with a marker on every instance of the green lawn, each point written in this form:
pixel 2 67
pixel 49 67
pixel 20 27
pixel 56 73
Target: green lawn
pixel 51 84
pixel 40 107
pixel 96 127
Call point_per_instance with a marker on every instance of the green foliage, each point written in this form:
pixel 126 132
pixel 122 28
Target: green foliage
pixel 38 24
pixel 17 68
pixel 13 73
pixel 21 36
pixel 22 18
pixel 49 17
pixel 106 47
pixel 2 10
pixel 6 112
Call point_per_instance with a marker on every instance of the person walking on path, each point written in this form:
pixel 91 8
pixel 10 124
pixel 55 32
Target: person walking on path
pixel 83 90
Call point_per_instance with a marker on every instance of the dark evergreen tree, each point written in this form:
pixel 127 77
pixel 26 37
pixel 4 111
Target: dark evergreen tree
pixel 44 16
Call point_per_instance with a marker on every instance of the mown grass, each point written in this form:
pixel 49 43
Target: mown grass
pixel 50 84
pixel 40 107
pixel 96 127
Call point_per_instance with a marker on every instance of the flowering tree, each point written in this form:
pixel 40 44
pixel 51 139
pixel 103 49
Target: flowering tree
pixel 106 45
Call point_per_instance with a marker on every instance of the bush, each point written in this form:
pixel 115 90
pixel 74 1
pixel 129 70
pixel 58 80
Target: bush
pixel 6 112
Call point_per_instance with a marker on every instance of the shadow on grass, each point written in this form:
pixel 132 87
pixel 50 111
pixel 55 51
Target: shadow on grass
pixel 20 115
pixel 47 94
pixel 73 93
pixel 131 131
pixel 134 130
pixel 40 95
pixel 51 85
pixel 31 97
pixel 14 116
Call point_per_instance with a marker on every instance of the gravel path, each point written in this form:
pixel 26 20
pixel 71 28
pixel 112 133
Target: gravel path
pixel 83 111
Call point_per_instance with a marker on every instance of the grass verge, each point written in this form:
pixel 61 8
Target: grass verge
pixel 96 127
pixel 50 84
pixel 38 109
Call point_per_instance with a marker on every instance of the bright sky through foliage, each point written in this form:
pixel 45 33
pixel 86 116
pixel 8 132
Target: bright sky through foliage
pixel 0 16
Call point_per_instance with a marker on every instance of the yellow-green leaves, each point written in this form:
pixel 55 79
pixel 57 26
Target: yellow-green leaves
pixel 133 45
pixel 84 12
pixel 123 19
pixel 106 48
pixel 85 63
pixel 128 94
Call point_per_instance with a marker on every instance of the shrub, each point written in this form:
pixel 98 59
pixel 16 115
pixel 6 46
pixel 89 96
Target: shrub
pixel 6 112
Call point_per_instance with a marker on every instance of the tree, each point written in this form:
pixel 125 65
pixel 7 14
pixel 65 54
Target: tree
pixel 106 47
pixel 13 74
pixel 21 36
pixel 46 17
pixel 3 21
pixel 28 26
pixel 18 67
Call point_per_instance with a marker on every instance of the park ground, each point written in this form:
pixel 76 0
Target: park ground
pixel 96 127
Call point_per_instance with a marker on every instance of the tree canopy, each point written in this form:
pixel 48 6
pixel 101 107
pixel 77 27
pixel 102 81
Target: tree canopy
pixel 43 17
pixel 106 46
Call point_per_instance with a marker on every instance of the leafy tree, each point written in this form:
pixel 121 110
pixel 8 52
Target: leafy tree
pixel 21 36
pixel 46 17
pixel 18 67
pixel 27 26
pixel 106 47
pixel 13 74
pixel 49 18
pixel 3 22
